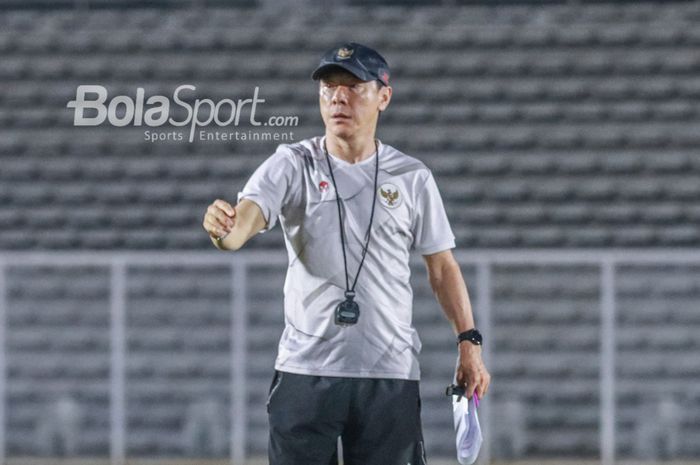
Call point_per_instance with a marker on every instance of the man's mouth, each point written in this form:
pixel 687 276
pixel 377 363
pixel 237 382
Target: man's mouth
pixel 340 116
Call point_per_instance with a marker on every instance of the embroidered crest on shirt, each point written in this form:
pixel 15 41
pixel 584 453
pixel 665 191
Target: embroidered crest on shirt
pixel 323 186
pixel 389 195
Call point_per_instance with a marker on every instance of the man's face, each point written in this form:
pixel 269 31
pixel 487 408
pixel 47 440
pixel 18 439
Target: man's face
pixel 349 106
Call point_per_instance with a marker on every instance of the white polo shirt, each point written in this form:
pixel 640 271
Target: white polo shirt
pixel 294 186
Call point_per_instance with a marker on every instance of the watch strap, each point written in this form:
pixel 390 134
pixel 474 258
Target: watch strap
pixel 472 335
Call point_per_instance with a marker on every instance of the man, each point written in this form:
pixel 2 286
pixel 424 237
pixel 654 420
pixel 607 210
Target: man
pixel 352 209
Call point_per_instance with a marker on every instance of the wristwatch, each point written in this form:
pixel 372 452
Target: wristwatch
pixel 473 336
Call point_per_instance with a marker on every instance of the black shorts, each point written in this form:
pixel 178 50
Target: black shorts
pixel 377 419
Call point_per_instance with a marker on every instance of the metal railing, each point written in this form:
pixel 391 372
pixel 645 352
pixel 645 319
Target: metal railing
pixel 239 262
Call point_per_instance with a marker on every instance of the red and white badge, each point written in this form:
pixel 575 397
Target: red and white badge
pixel 323 186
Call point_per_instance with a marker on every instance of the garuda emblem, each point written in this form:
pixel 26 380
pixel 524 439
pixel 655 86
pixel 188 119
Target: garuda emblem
pixel 389 195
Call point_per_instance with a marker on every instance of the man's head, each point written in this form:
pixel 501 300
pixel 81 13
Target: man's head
pixel 353 89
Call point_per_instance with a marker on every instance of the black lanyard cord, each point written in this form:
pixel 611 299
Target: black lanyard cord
pixel 350 291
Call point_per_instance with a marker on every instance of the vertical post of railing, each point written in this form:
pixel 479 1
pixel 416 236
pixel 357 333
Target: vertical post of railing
pixel 483 314
pixel 3 347
pixel 239 323
pixel 117 446
pixel 607 362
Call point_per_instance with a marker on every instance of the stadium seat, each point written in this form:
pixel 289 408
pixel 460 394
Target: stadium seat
pixel 631 236
pixel 559 125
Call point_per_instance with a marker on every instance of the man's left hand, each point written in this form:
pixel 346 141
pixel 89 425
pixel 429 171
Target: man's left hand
pixel 471 372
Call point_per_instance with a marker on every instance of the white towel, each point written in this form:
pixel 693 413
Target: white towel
pixel 468 430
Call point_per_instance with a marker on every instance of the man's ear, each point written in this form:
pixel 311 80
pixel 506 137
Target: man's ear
pixel 384 97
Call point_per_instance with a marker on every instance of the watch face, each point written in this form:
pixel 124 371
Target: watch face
pixel 347 313
pixel 472 336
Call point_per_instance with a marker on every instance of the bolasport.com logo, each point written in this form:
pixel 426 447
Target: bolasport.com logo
pixel 93 107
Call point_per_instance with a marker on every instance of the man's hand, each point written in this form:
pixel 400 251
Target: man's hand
pixel 230 227
pixel 471 372
pixel 219 219
pixel 449 288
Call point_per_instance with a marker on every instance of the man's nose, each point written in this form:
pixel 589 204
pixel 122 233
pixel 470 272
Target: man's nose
pixel 340 95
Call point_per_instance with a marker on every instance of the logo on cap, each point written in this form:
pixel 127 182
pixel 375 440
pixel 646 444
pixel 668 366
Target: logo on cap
pixel 385 76
pixel 344 53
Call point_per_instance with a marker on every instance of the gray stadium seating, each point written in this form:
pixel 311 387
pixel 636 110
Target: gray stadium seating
pixel 546 127
pixel 178 359
pixel 458 84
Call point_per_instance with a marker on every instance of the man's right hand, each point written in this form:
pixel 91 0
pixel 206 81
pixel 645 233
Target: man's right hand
pixel 219 219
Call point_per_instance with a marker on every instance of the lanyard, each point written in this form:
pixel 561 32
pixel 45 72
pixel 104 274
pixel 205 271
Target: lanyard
pixel 350 291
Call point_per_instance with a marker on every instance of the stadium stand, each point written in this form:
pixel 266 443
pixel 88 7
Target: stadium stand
pixel 547 126
pixel 178 360
pixel 541 116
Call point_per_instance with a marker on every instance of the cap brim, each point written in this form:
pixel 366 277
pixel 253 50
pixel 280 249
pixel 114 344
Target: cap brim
pixel 359 73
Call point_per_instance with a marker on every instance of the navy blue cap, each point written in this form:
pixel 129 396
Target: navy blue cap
pixel 363 62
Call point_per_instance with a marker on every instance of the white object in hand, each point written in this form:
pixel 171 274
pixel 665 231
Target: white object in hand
pixel 468 430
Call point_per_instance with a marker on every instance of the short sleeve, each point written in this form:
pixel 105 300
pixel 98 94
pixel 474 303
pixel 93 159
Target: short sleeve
pixel 431 228
pixel 270 185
